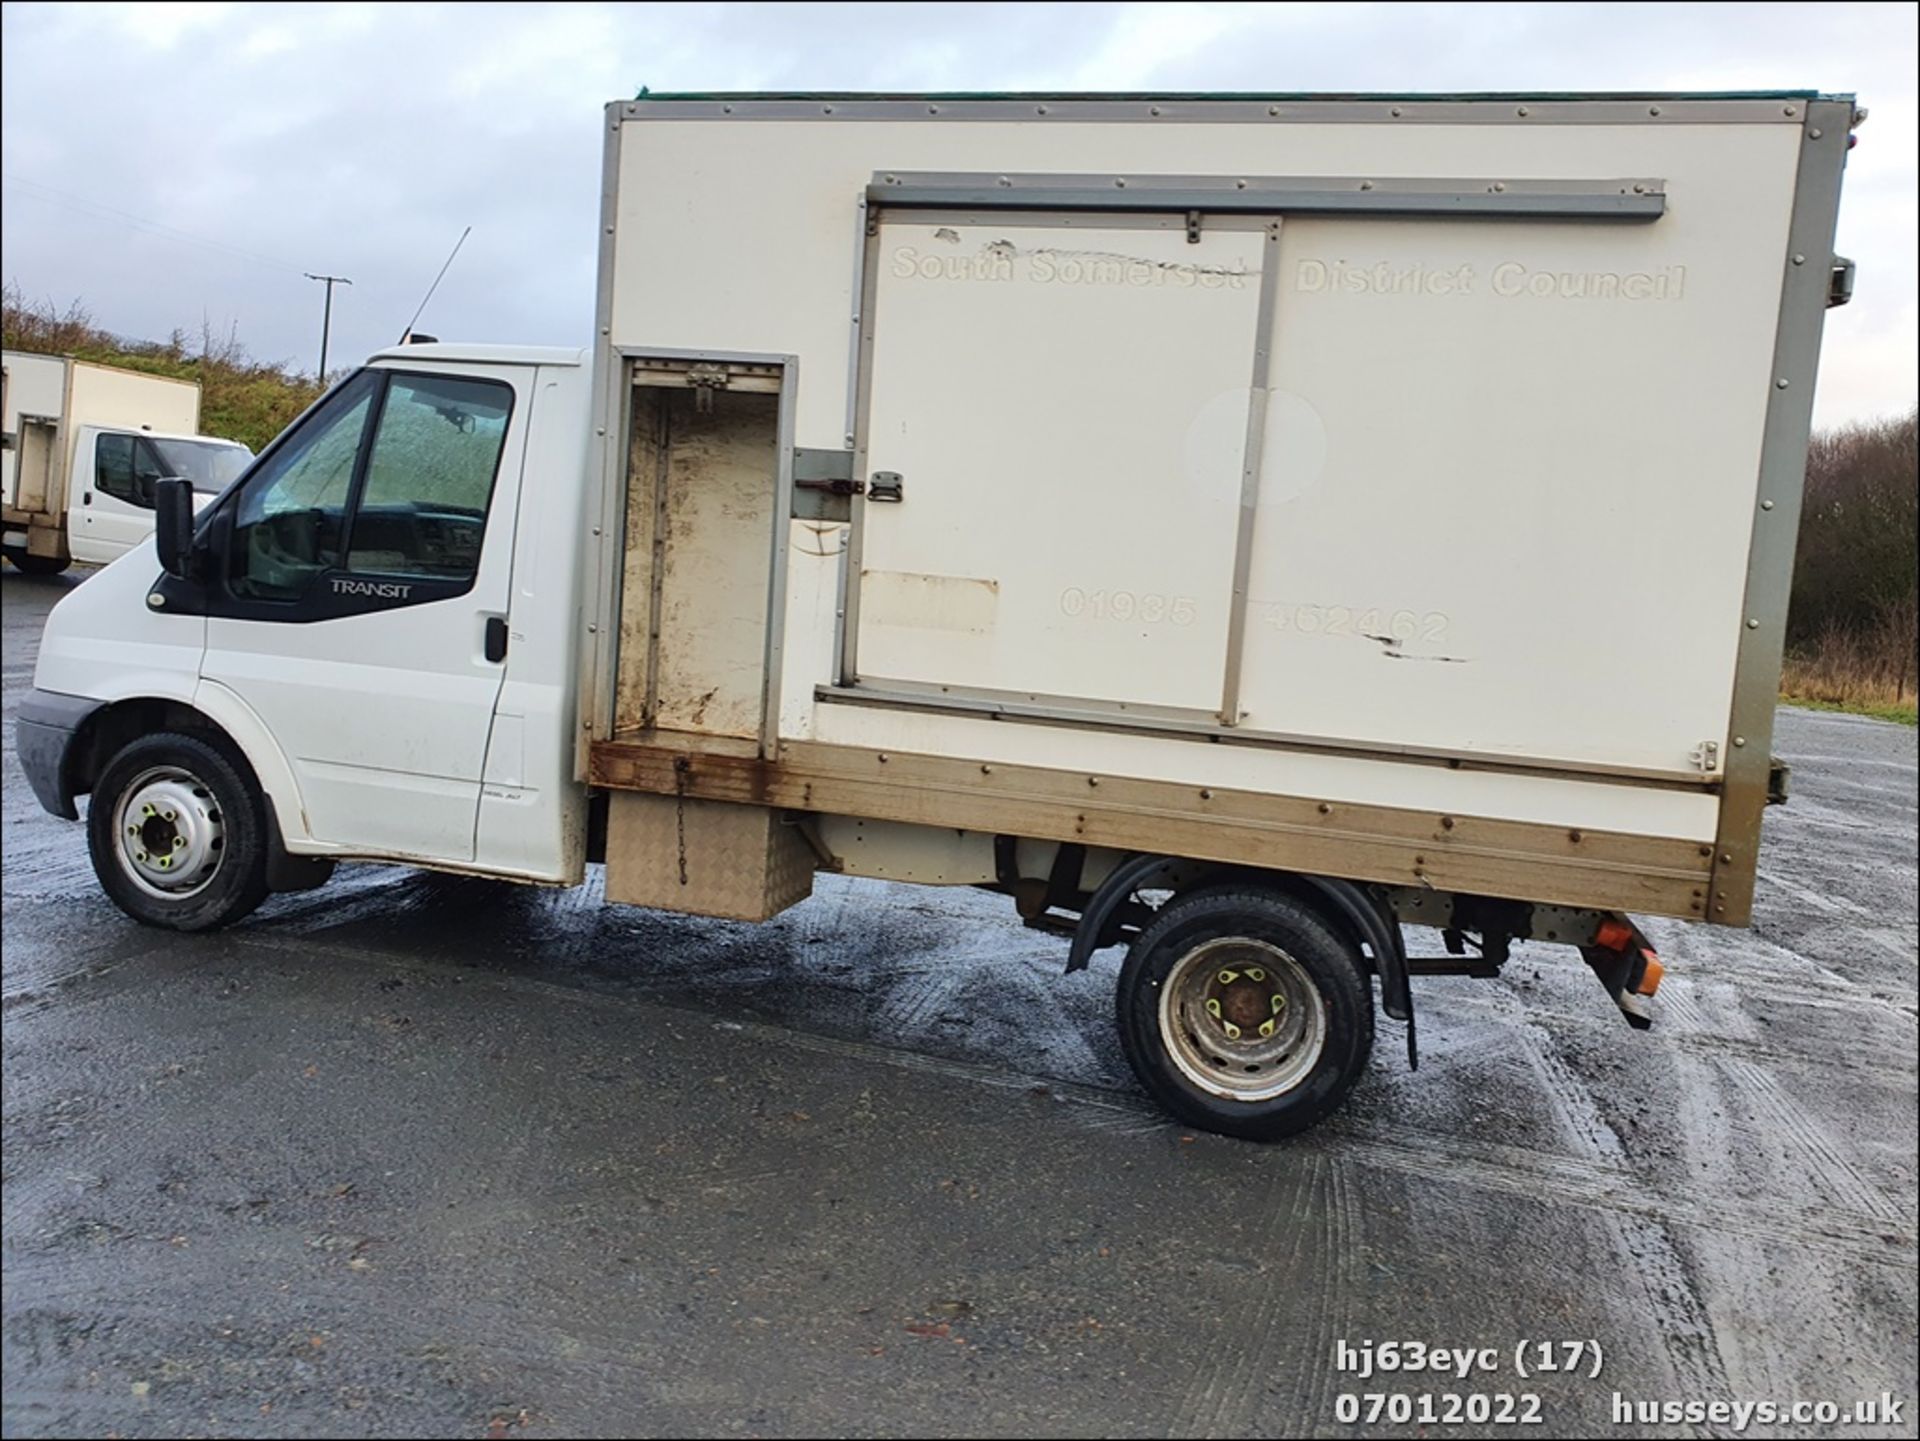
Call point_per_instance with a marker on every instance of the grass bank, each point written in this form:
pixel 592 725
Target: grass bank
pixel 241 398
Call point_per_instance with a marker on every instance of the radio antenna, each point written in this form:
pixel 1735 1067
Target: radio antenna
pixel 436 284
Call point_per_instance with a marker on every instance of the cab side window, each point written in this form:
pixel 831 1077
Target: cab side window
pixel 113 468
pixel 380 498
pixel 423 506
pixel 290 521
pixel 125 467
pixel 147 468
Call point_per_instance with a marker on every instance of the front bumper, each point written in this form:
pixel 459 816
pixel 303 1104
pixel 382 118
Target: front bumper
pixel 44 734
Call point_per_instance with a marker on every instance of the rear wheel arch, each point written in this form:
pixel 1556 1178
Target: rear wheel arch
pixel 1342 905
pixel 1357 915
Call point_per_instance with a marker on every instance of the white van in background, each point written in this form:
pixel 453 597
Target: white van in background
pixel 83 446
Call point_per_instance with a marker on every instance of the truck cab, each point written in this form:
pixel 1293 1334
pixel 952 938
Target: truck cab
pixel 110 499
pixel 375 629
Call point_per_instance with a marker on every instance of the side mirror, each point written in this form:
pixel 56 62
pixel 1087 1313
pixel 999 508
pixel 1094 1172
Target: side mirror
pixel 173 524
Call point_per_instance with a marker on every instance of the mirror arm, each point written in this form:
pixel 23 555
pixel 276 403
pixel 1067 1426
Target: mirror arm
pixel 209 542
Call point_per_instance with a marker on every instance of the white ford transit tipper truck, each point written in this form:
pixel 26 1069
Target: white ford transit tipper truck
pixel 1234 528
pixel 82 448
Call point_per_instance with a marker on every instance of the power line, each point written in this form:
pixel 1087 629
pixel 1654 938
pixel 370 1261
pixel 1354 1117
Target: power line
pixel 35 190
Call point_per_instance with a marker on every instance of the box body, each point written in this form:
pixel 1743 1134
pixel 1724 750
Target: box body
pixel 1435 461
pixel 48 398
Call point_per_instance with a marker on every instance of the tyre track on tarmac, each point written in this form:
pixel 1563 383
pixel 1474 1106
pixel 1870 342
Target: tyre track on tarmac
pixel 1243 1353
pixel 1672 1297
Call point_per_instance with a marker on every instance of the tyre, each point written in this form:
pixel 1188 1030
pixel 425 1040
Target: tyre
pixel 177 831
pixel 30 564
pixel 1243 1012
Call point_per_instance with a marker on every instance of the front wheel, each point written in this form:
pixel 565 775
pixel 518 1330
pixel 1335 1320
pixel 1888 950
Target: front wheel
pixel 1243 1012
pixel 177 832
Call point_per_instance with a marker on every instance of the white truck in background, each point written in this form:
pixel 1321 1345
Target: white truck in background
pixel 1235 529
pixel 83 445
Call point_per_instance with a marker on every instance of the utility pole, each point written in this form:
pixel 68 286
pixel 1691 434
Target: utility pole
pixel 326 321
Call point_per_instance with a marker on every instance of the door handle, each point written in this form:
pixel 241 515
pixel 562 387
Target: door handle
pixel 86 497
pixel 496 641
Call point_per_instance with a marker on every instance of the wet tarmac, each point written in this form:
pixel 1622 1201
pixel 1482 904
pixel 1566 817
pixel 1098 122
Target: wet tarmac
pixel 416 1155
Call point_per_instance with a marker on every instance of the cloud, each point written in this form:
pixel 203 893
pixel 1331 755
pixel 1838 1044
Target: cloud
pixel 360 139
pixel 160 25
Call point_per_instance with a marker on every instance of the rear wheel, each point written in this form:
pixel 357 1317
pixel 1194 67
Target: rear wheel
pixel 31 564
pixel 1243 1012
pixel 178 835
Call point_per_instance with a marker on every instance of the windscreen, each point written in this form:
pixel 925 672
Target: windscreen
pixel 209 465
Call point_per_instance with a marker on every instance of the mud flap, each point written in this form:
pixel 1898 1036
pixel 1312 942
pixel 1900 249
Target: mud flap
pixel 285 870
pixel 1376 925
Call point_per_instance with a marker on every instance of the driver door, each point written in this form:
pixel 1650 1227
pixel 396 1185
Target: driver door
pixel 115 510
pixel 362 562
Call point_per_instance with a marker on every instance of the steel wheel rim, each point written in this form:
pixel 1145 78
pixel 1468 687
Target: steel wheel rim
pixel 168 833
pixel 1221 1047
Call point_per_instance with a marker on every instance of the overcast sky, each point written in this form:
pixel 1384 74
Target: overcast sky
pixel 165 162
